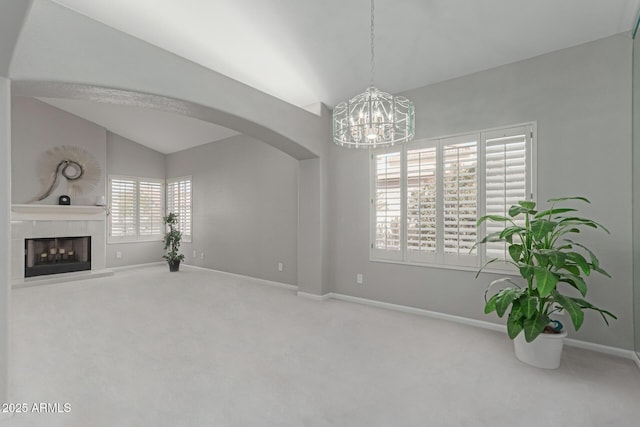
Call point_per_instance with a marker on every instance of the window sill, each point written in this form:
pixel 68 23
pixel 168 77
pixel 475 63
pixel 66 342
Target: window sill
pixel 119 242
pixel 448 267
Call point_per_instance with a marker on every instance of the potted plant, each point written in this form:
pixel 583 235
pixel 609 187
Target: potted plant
pixel 550 263
pixel 172 239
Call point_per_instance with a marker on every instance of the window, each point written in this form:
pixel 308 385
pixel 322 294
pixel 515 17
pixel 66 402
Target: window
pixel 179 202
pixel 136 209
pixel 428 195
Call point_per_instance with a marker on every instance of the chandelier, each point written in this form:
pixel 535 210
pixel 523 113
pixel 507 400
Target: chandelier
pixel 373 118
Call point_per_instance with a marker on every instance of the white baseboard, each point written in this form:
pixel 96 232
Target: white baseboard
pixel 314 297
pixel 60 278
pixel 420 312
pixel 262 281
pixel 130 267
pixel 614 351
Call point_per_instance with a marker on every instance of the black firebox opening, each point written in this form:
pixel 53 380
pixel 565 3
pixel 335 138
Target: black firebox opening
pixel 54 255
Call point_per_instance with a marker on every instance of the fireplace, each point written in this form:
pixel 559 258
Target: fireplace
pixel 54 255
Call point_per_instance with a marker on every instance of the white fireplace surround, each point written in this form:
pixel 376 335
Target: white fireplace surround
pixel 42 221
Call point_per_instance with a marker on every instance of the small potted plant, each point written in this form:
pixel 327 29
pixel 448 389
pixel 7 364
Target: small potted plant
pixel 172 239
pixel 550 263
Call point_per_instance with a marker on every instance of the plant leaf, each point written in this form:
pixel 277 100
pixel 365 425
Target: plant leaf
pixel 534 326
pixel 515 251
pixel 541 227
pixel 490 306
pixel 602 271
pixel 526 271
pixel 572 269
pixel 555 211
pixel 571 307
pixel 583 221
pixel 516 210
pixel 495 218
pixel 562 199
pixel 493 237
pixel 580 262
pixel 594 260
pixel 505 299
pixel 576 281
pixel 508 232
pixel 527 204
pixel 545 281
pixel 516 311
pixel 557 258
pixel 529 306
pixel 514 326
pixel 588 305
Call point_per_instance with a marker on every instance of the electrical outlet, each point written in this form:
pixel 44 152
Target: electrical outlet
pixel 280 266
pixel 195 254
pixel 118 254
pixel 201 255
pixel 359 279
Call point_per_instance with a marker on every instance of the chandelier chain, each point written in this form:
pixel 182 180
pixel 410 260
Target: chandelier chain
pixel 372 70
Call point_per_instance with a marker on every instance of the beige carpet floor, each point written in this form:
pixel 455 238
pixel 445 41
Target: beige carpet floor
pixel 201 348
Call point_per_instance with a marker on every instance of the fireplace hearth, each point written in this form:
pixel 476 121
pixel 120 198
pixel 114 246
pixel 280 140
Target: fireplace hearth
pixel 55 255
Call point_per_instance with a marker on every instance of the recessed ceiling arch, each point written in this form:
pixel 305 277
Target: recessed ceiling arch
pixel 120 97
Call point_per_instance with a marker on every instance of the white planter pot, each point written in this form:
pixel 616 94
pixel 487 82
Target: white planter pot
pixel 543 352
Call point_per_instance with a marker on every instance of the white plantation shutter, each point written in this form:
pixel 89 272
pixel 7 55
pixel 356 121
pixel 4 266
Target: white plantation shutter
pixel 136 209
pixel 123 199
pixel 506 182
pixel 421 203
pixel 387 204
pixel 428 195
pixel 460 197
pixel 179 195
pixel 151 202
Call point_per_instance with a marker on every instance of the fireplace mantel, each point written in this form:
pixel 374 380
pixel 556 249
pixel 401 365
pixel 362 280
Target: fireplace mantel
pixel 57 213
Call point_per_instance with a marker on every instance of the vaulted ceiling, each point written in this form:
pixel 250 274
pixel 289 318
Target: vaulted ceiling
pixel 310 51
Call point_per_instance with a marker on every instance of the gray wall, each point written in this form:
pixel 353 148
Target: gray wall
pixel 11 20
pixel 581 99
pixel 244 207
pixel 636 187
pixel 126 157
pixel 5 231
pixel 38 127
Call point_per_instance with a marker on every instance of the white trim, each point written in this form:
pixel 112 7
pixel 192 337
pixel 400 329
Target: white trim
pixel 60 278
pixel 599 348
pixel 420 312
pixel 315 297
pixel 263 281
pixel 33 212
pixel 613 351
pixel 504 272
pixel 129 267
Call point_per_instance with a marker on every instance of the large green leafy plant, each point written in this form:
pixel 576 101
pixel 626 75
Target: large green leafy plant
pixel 172 239
pixel 540 247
